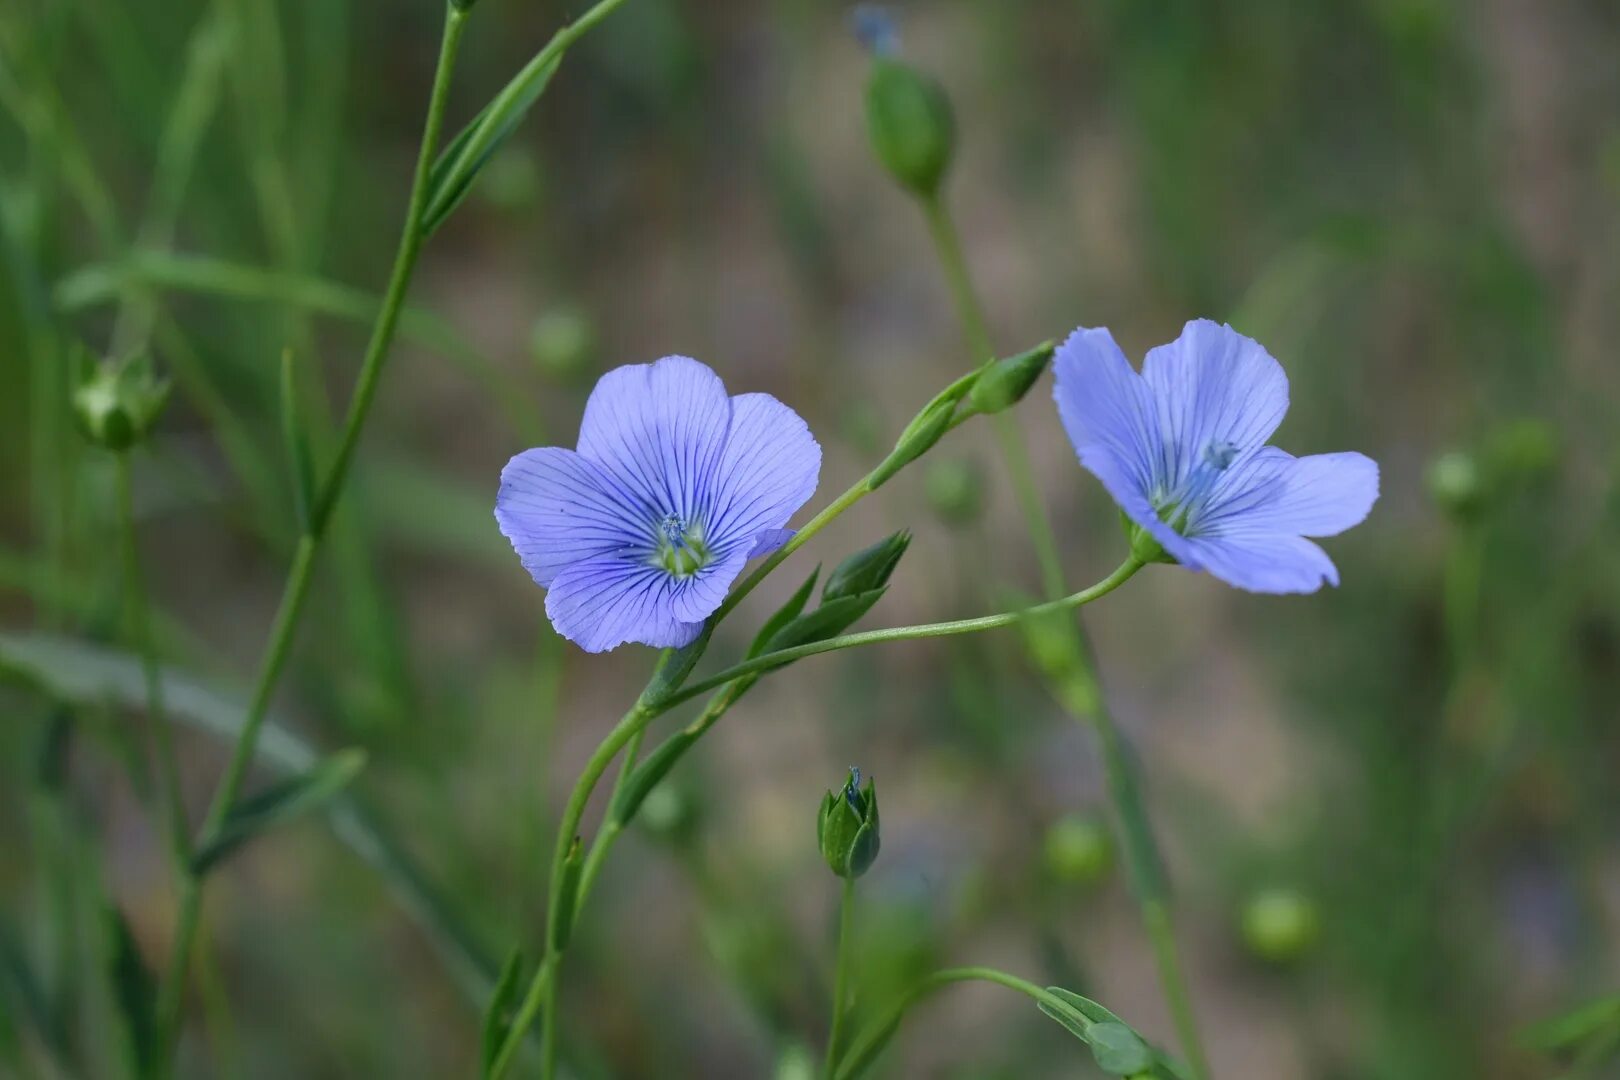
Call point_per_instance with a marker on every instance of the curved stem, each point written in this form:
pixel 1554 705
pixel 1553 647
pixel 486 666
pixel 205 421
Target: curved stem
pixel 828 513
pixel 870 1041
pixel 1076 685
pixel 299 576
pixel 904 633
pixel 840 999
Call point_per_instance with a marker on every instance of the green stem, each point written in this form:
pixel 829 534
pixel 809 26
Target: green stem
pixel 904 633
pixel 828 513
pixel 282 633
pixel 1077 687
pixel 1156 915
pixel 140 628
pixel 840 999
pixel 870 1041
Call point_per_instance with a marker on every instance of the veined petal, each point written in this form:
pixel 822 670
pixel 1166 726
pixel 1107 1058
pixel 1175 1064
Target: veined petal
pixel 1219 396
pixel 558 508
pixel 602 603
pixel 1105 404
pixel 695 598
pixel 1266 562
pixel 660 428
pixel 1318 495
pixel 770 540
pixel 768 469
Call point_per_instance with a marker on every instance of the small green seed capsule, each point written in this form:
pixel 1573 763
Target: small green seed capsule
pixel 1078 850
pixel 1280 924
pixel 1456 485
pixel 118 405
pixel 955 491
pixel 911 126
pixel 563 343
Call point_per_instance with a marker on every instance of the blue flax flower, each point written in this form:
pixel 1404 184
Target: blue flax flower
pixel 638 534
pixel 1182 449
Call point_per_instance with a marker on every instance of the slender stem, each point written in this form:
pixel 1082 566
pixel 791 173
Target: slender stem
pixel 299 576
pixel 1077 687
pixel 904 633
pixel 541 988
pixel 868 1043
pixel 948 245
pixel 140 628
pixel 840 999
pixel 1156 915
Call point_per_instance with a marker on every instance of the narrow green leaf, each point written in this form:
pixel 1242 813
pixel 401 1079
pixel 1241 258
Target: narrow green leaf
pixel 1576 1026
pixel 1077 1024
pixel 828 620
pixel 83 673
pixel 452 175
pixel 784 615
pixel 498 1015
pixel 135 993
pixel 280 803
pixel 1119 1050
pixel 855 1066
pixel 653 768
pixel 296 436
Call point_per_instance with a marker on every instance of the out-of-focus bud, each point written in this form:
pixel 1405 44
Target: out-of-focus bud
pixel 117 406
pixel 670 813
pixel 955 491
pixel 512 181
pixel 1522 451
pixel 867 569
pixel 1280 924
pixel 563 343
pixel 1456 484
pixel 1007 381
pixel 1078 850
pixel 463 6
pixel 848 827
pixel 911 126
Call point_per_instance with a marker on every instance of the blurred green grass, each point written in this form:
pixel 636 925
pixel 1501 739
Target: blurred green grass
pixel 1414 204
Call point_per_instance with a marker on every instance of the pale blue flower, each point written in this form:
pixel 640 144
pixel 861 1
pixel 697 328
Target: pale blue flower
pixel 638 534
pixel 1182 449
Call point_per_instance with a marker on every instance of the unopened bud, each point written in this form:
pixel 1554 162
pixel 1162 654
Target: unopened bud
pixel 955 491
pixel 847 827
pixel 1456 484
pixel 1078 850
pixel 119 403
pixel 1007 381
pixel 1280 924
pixel 563 343
pixel 911 126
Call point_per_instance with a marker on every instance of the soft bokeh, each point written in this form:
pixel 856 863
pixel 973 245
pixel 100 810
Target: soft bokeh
pixel 1390 809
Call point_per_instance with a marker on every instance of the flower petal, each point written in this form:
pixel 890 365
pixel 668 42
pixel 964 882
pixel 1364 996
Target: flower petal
pixel 769 469
pixel 1216 391
pixel 558 508
pixel 1105 406
pixel 770 540
pixel 659 427
pixel 1265 562
pixel 602 603
pixel 1318 495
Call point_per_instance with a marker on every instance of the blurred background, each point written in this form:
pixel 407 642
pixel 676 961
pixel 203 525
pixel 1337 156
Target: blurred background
pixel 1390 810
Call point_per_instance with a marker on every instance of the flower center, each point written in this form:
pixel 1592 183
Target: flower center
pixel 1180 508
pixel 681 550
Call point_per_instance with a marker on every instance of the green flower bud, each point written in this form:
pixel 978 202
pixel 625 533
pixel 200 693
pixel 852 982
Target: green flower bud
pixel 563 343
pixel 1280 924
pixel 909 120
pixel 847 827
pixel 955 491
pixel 117 406
pixel 1522 451
pixel 670 813
pixel 1007 381
pixel 1078 850
pixel 1456 484
pixel 867 569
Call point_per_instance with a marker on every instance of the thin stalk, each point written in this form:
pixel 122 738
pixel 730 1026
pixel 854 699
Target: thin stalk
pixel 140 630
pixel 1087 705
pixel 868 1043
pixel 904 633
pixel 840 999
pixel 298 580
pixel 832 510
